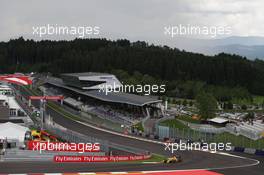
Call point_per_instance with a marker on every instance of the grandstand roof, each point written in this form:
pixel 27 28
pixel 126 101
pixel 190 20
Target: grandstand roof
pixel 120 97
pixel 115 97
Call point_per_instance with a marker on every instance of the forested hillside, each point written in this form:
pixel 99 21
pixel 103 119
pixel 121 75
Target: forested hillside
pixel 183 72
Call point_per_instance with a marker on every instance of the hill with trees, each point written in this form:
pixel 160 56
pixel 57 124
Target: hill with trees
pixel 184 73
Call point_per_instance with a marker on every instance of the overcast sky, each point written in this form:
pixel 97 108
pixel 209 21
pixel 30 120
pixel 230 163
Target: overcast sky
pixel 132 19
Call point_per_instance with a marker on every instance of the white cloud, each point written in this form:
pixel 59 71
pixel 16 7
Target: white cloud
pixel 137 19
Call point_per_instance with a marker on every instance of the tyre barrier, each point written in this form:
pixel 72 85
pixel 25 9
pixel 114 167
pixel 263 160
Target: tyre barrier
pixel 249 151
pixel 239 149
pixel 259 152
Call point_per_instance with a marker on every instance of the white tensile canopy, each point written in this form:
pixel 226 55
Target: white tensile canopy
pixel 218 120
pixel 12 131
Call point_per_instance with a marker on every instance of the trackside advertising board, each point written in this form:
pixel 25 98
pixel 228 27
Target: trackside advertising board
pixel 60 158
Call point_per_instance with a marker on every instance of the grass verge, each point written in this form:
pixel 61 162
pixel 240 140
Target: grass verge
pixel 173 123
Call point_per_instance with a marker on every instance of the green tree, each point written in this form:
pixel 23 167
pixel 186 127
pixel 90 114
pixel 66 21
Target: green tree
pixel 178 102
pixel 184 103
pixel 169 100
pixel 190 103
pixel 206 104
pixel 244 107
pixel 230 105
pixel 164 98
pixel 184 73
pixel 249 117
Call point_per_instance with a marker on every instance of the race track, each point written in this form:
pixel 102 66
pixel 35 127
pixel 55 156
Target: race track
pixel 226 164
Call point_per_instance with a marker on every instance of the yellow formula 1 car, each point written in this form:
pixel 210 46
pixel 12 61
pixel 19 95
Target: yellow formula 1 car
pixel 36 135
pixel 173 159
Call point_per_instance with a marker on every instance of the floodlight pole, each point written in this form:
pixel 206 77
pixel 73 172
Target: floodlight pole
pixel 42 112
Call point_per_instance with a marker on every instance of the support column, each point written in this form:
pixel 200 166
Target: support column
pixel 42 113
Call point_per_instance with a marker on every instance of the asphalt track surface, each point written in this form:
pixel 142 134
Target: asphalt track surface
pixel 224 164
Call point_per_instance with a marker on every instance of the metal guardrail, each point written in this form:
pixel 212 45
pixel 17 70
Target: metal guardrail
pixel 203 127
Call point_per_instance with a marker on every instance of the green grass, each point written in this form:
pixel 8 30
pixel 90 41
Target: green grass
pixel 188 119
pixel 154 158
pixel 258 99
pixel 139 126
pixel 173 123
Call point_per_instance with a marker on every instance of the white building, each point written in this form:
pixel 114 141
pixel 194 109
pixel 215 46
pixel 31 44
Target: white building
pixel 11 103
pixel 5 90
pixel 13 133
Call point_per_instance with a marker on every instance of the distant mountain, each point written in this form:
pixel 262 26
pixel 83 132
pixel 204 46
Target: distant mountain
pixel 250 47
pixel 251 52
pixel 249 41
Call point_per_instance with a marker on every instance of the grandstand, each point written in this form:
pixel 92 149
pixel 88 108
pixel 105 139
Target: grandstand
pixel 81 91
pixel 253 130
pixel 73 103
